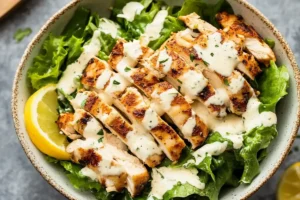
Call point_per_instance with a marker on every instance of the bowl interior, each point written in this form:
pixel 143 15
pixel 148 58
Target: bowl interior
pixel 287 109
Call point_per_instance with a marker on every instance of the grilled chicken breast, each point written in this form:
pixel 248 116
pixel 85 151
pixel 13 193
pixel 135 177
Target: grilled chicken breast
pixel 253 42
pixel 188 79
pixel 140 143
pixel 176 107
pixel 64 123
pixel 141 113
pixel 115 168
pixel 167 138
pixel 207 52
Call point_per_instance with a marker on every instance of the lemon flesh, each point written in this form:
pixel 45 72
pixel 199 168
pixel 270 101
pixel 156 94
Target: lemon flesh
pixel 40 120
pixel 289 186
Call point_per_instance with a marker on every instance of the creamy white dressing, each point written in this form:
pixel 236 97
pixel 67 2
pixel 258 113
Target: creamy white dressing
pixel 230 127
pixel 150 119
pixel 165 98
pixel 103 79
pixel 109 27
pixel 124 67
pixel 220 98
pixel 236 84
pixel 92 128
pixel 213 149
pixel 142 145
pixel 106 166
pixel 116 84
pixel 89 173
pixel 218 56
pixel 193 83
pixel 133 50
pixel 79 100
pixel 165 60
pixel 189 126
pixel 152 31
pixel 83 144
pixel 188 34
pixel 164 179
pixel 67 82
pixel 252 117
pixel 130 10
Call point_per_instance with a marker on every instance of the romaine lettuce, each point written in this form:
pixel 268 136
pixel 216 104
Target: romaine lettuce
pixel 58 51
pixel 272 84
pixel 207 9
pixel 254 141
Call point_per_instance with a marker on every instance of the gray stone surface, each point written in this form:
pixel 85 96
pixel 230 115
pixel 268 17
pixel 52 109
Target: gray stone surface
pixel 18 178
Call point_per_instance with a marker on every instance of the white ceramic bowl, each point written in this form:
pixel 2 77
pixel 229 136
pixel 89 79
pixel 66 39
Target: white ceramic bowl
pixel 288 110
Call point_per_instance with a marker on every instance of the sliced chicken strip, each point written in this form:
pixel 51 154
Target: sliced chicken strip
pixel 253 42
pixel 247 65
pixel 208 53
pixel 95 156
pixel 138 175
pixel 116 168
pixel 189 79
pixel 143 114
pixel 193 21
pixel 85 124
pixel 64 123
pixel 178 109
pixel 141 144
pixel 114 141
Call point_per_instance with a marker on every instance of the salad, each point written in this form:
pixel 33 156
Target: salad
pixel 156 102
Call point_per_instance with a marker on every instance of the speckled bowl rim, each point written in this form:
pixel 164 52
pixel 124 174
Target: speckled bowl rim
pixel 69 6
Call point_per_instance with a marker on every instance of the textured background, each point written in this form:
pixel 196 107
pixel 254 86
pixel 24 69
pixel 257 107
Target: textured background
pixel 18 178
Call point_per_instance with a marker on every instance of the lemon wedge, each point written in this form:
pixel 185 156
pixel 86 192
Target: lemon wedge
pixel 40 115
pixel 289 186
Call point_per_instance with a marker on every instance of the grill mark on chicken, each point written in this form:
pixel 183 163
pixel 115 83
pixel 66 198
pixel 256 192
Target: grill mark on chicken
pixel 89 157
pixel 120 127
pixel 207 92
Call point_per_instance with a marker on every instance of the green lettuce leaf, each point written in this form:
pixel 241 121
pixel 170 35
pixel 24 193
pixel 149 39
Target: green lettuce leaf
pixel 254 141
pixel 207 9
pixel 171 24
pixel 182 191
pixel 74 46
pixel 272 84
pixel 223 175
pixel 75 26
pixel 137 27
pixel 47 64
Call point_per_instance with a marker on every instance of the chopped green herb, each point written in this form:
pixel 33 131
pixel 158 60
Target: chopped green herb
pixel 212 54
pixel 179 81
pixel 270 42
pixel 20 34
pixel 83 103
pixel 179 88
pixel 100 132
pixel 163 61
pixel 116 82
pixel 217 46
pixel 192 57
pixel 138 149
pixel 160 174
pixel 205 63
pixel 100 139
pixel 127 69
pixel 226 82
